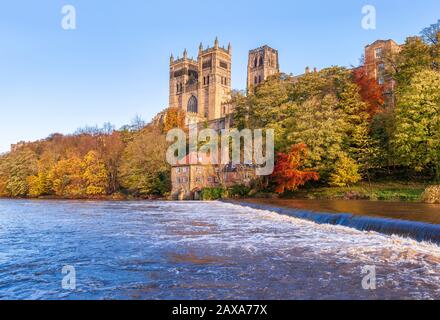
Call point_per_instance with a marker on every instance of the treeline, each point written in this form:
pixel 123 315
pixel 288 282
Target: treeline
pixel 92 163
pixel 344 127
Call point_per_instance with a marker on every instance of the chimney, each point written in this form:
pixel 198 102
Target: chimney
pixel 307 70
pixel 315 70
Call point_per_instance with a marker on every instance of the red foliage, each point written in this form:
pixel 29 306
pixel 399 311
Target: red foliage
pixel 287 175
pixel 371 92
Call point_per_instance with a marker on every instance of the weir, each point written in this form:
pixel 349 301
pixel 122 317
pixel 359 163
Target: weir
pixel 419 231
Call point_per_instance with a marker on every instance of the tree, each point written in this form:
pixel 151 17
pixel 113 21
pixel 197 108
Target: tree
pixel 144 170
pixel 174 118
pixel 365 150
pixel 95 175
pixel 417 135
pixel 431 34
pixel 15 169
pixel 321 126
pixel 265 105
pixel 345 172
pixel 287 173
pixel 67 178
pixel 414 57
pixel 370 91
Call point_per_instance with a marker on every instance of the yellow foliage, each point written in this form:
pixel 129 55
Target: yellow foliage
pixel 346 172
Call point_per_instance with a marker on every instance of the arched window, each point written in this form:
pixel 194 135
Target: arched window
pixel 256 62
pixel 256 80
pixel 192 105
pixel 259 79
pixel 261 61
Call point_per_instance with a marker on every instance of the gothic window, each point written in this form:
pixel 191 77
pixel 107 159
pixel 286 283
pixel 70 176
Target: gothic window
pixel 256 80
pixel 261 61
pixel 256 62
pixel 192 105
pixel 259 79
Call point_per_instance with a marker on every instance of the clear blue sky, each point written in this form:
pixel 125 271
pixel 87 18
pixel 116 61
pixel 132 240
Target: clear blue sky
pixel 115 64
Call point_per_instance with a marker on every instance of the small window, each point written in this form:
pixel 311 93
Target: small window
pixel 378 53
pixel 177 170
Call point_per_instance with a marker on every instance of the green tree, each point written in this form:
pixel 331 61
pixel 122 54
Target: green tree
pixel 415 56
pixel 144 170
pixel 321 126
pixel 365 150
pixel 417 135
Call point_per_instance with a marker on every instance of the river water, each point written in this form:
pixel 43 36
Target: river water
pixel 187 250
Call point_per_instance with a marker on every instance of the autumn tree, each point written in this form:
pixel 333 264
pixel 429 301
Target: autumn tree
pixel 15 168
pixel 95 175
pixel 346 172
pixel 67 178
pixel 370 91
pixel 174 118
pixel 288 175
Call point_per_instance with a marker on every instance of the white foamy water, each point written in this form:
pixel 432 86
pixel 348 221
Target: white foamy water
pixel 169 250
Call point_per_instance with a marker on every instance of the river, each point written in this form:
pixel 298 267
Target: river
pixel 203 250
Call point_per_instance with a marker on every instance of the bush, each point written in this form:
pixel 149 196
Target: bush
pixel 432 194
pixel 209 194
pixel 238 191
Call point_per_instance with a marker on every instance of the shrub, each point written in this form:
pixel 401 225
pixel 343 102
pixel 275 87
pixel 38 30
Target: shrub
pixel 239 191
pixel 432 194
pixel 209 194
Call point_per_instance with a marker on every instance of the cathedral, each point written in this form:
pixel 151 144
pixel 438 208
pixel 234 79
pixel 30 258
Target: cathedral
pixel 202 86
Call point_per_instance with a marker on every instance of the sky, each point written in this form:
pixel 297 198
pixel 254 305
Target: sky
pixel 115 64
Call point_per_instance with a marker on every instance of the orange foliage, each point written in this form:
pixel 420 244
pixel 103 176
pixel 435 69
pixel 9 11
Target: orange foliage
pixel 287 174
pixel 371 92
pixel 174 118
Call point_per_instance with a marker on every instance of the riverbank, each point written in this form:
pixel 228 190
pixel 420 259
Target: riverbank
pixel 414 220
pixel 385 191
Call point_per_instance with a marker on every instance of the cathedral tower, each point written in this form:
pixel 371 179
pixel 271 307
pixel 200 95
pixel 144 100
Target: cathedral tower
pixel 263 62
pixel 202 86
